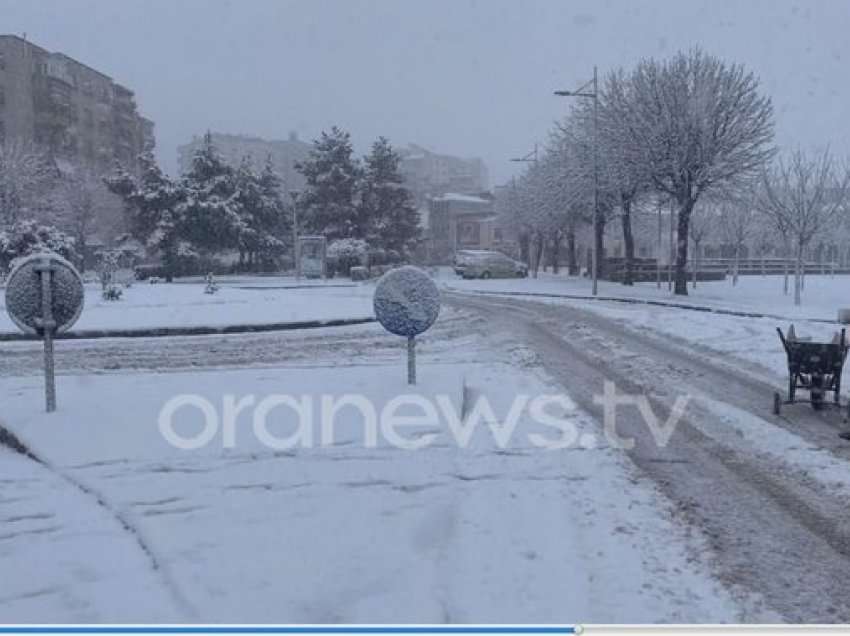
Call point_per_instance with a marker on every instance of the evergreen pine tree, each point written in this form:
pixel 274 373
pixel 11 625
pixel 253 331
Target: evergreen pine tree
pixel 212 206
pixel 154 205
pixel 386 206
pixel 329 200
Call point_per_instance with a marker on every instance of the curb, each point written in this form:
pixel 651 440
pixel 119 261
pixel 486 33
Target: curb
pixel 161 332
pixel 656 303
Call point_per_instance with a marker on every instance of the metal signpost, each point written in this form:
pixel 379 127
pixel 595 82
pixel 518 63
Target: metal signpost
pixel 407 302
pixel 44 296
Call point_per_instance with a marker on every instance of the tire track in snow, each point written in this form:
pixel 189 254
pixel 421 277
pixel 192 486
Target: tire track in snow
pixel 11 441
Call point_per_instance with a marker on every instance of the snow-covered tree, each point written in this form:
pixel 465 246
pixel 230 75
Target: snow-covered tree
pixel 696 123
pixel 26 175
pixel 257 201
pixel 211 207
pixel 329 203
pixel 86 208
pixel 804 196
pixel 27 237
pixel 386 208
pixel 154 206
pixel 737 222
pixel 703 227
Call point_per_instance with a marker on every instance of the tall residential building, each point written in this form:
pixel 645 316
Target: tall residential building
pixel 284 154
pixel 76 113
pixel 428 174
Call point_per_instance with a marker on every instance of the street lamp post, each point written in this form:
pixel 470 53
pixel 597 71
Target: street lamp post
pixel 530 157
pixel 584 91
pixel 294 195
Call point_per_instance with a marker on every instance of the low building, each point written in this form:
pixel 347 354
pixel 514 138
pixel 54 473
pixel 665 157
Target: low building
pixel 464 222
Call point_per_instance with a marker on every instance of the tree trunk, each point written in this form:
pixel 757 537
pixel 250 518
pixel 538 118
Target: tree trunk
pixel 572 260
pixel 169 262
pixel 696 265
pixel 628 242
pixel 556 253
pixel 736 265
pixel 539 243
pixel 599 254
pixel 683 226
pixel 524 248
pixel 785 256
pixel 798 276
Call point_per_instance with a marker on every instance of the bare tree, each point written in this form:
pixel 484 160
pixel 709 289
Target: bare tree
pixel 703 225
pixel 737 222
pixel 804 196
pixel 696 123
pixel 624 171
pixel 25 176
pixel 88 208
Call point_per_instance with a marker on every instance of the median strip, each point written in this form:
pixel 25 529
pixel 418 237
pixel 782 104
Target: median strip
pixel 204 330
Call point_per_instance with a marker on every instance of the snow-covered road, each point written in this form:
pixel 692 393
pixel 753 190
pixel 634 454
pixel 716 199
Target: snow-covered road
pixel 771 493
pixel 723 524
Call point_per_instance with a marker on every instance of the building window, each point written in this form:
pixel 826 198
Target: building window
pixel 497 234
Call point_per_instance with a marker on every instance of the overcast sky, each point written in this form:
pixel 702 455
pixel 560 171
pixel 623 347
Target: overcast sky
pixel 467 77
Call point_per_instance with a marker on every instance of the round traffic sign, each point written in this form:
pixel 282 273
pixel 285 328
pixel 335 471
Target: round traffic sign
pixel 407 301
pixel 24 292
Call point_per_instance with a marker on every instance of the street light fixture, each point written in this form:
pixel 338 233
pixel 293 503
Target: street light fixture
pixel 584 91
pixel 531 157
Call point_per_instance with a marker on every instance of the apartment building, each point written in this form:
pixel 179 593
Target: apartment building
pixel 78 114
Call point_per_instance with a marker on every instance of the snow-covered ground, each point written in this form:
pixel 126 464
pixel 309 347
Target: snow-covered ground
pixel 748 338
pixel 822 298
pixel 347 532
pixel 239 301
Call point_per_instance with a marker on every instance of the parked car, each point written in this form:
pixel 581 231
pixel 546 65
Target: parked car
pixel 463 257
pixel 492 265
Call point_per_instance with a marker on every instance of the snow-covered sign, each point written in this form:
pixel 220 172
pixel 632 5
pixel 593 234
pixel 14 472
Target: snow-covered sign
pixel 407 302
pixel 24 293
pixel 44 296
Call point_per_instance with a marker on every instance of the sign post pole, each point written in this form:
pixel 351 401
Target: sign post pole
pixel 45 269
pixel 411 359
pixel 407 302
pixel 44 297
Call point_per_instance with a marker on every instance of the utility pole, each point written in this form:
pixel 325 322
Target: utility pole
pixel 594 95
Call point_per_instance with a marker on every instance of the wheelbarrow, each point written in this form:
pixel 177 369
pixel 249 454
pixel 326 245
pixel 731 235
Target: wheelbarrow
pixel 815 367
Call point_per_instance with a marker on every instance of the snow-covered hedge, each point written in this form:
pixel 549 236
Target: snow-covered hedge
pixel 347 253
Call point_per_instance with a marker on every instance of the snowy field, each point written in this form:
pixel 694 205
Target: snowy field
pixel 121 526
pixel 750 339
pixel 239 301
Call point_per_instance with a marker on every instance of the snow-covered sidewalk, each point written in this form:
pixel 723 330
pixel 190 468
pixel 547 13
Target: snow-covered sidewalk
pixel 348 532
